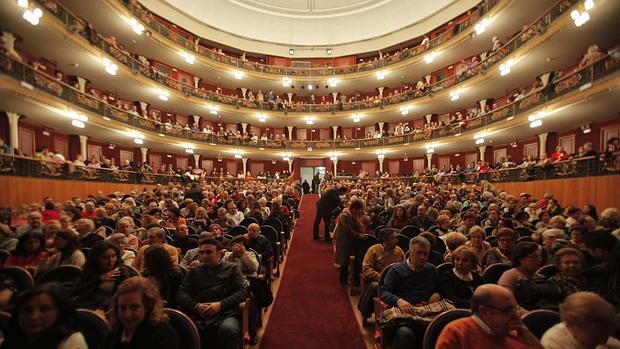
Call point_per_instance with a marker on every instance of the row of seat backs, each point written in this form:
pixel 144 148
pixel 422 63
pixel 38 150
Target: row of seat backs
pixel 95 328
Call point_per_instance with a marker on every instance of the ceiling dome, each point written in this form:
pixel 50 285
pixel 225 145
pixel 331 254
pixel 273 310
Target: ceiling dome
pixel 310 22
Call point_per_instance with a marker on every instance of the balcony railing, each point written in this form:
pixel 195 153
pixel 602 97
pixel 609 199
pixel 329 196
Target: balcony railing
pixel 599 165
pixel 147 18
pixel 29 167
pixel 578 79
pixel 75 24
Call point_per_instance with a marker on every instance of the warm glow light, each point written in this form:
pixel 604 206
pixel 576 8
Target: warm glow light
pixel 430 150
pixel 138 141
pixel 189 151
pixel 286 81
pixel 380 75
pixel 237 156
pixel 22 3
pixel 356 118
pixel 454 95
pixel 188 57
pixel 481 26
pixel 504 68
pixel 33 16
pixel 479 140
pixel 309 122
pixel 430 57
pixel 536 123
pixel 78 123
pixel 588 4
pixel 333 82
pixel 238 74
pixel 163 95
pixel 136 27
pixel 380 156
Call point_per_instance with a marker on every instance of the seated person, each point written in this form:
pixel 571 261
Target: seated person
pixel 376 259
pixel 103 272
pixel 44 317
pixel 588 322
pixel 138 318
pixel 163 273
pixel 66 244
pixel 246 260
pixel 260 244
pixel 127 255
pixel 414 281
pixel 182 240
pixel 506 239
pixel 459 283
pixel 477 244
pixel 211 294
pixel 29 252
pixel 156 236
pixel 192 257
pixel 527 259
pixel 569 278
pixel 494 324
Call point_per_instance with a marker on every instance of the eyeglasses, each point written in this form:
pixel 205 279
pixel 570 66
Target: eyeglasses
pixel 506 310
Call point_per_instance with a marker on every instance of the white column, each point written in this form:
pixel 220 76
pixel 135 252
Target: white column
pixel 82 84
pixel 428 118
pixel 381 128
pixel 381 91
pixel 196 160
pixel 14 127
pixel 429 161
pixel 244 161
pixel 144 151
pixel 9 44
pixel 143 106
pixel 196 119
pixel 244 91
pixel 381 164
pixel 290 132
pixel 196 81
pixel 335 162
pixel 542 144
pixel 335 96
pixel 335 128
pixel 482 149
pixel 244 127
pixel 290 165
pixel 84 147
pixel 290 97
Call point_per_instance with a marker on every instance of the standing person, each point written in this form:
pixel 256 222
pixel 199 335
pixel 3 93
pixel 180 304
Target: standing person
pixel 324 208
pixel 348 228
pixel 316 180
pixel 138 319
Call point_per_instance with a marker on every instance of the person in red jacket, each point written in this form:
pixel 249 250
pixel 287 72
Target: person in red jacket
pixel 559 154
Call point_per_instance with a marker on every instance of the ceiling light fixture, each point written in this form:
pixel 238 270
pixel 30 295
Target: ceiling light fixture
pixel 430 57
pixel 309 122
pixel 333 157
pixel 262 117
pixel 237 156
pixel 286 81
pixel 110 67
pixel 380 156
pixel 212 109
pixel 136 27
pixel 163 95
pixel 291 51
pixel 481 26
pixel 138 141
pixel 380 74
pixel 356 118
pixel 188 57
pixel 238 74
pixel 22 3
pixel 504 68
pixel 479 140
pixel 454 95
pixel 404 110
pixel 333 82
pixel 328 51
pixel 78 123
pixel 78 116
pixel 33 16
pixel 586 128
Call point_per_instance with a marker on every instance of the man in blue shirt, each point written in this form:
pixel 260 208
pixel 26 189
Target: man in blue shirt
pixel 409 283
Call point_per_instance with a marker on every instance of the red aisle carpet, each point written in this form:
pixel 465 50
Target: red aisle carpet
pixel 311 309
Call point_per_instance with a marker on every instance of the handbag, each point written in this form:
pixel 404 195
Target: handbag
pixel 529 292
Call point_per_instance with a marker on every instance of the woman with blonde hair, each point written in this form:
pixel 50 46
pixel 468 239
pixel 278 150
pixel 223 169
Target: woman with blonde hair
pixel 138 319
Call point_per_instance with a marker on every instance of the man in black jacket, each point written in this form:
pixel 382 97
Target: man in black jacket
pixel 211 294
pixel 194 193
pixel 324 208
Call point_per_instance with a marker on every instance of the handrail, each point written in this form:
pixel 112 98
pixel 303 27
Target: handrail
pixel 23 166
pixel 75 24
pixel 146 18
pixel 580 167
pixel 588 74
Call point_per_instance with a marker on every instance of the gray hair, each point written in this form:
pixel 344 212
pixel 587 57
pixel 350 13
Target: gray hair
pixel 418 240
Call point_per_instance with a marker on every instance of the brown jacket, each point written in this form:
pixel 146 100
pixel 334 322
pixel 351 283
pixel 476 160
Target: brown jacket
pixel 347 229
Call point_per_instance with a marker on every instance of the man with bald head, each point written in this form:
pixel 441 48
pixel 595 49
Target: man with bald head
pixel 494 324
pixel 260 244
